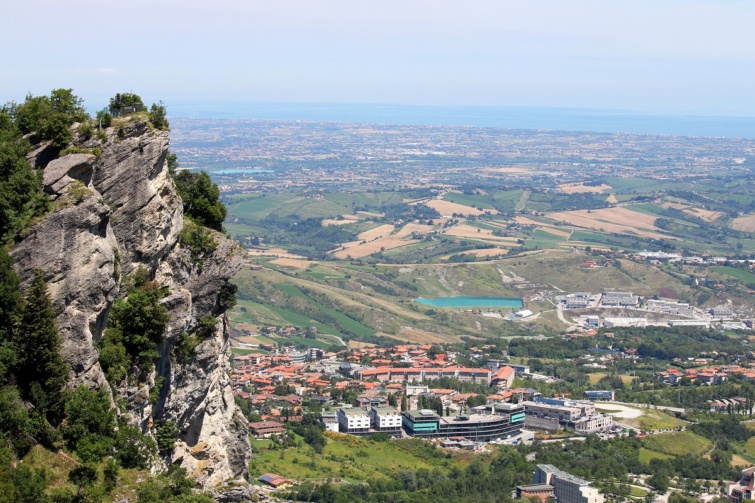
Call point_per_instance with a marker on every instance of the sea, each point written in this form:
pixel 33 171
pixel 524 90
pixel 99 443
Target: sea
pixel 538 118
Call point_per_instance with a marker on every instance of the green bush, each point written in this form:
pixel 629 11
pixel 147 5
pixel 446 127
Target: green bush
pixel 85 131
pixel 104 119
pixel 135 328
pixel 199 240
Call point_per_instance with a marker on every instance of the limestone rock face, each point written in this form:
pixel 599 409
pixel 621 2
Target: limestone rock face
pixel 133 178
pixel 75 248
pixel 213 445
pixel 112 215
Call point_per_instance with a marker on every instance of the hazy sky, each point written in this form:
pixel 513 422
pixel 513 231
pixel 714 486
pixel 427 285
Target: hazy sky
pixel 678 56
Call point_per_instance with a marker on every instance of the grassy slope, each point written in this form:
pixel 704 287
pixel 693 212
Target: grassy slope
pixel 346 458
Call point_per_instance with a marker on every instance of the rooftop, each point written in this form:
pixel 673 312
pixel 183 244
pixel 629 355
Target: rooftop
pixel 564 475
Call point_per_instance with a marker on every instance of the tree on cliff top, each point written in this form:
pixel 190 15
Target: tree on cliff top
pixel 123 100
pixel 50 117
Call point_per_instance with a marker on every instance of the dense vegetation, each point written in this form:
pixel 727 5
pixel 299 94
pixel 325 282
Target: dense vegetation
pixel 36 406
pixel 21 196
pixel 201 198
pixel 135 328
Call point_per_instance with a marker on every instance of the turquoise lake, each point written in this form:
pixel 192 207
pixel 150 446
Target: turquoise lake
pixel 236 171
pixel 472 302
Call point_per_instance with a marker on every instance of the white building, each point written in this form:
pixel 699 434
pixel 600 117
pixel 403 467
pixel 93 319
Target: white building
pixel 722 313
pixel 619 299
pixel 566 487
pixel 413 389
pixel 330 419
pixel 386 419
pixel 670 307
pixel 579 300
pixel 625 322
pixel 354 421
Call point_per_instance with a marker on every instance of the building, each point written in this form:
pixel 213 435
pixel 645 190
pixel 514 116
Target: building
pixel 297 357
pixel 367 401
pixel 625 322
pixel 520 369
pixel 670 307
pixel 330 420
pixel 619 299
pixel 486 423
pixel 264 429
pixel 579 300
pixel 416 389
pixel 542 491
pixel 504 377
pixel 579 415
pixel 386 419
pixel 418 375
pixel 592 321
pixel 495 364
pixel 354 421
pixel 688 323
pixel 592 423
pixel 607 395
pixel 274 481
pixel 744 488
pixel 566 487
pixel 315 354
pixel 722 313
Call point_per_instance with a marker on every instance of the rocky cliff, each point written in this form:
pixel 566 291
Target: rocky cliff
pixel 113 214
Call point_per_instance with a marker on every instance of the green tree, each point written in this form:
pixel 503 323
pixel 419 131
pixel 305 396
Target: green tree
pixel 88 414
pixel 166 437
pixel 50 118
pixel 135 328
pixel 42 372
pixel 659 482
pixel 158 116
pixel 11 303
pixel 121 100
pixel 201 199
pixel 20 187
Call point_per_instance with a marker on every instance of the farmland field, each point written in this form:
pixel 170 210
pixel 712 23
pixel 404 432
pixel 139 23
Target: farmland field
pixel 577 188
pixel 619 219
pixel 745 223
pixel 740 274
pixel 447 208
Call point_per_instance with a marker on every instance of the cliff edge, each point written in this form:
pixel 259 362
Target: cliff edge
pixel 115 213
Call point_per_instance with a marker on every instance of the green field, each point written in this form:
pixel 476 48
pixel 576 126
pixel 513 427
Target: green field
pixel 346 323
pixel 348 458
pixel 678 444
pixel 740 274
pixel 476 201
pixel 646 455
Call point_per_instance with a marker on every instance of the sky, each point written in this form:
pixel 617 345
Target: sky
pixel 686 57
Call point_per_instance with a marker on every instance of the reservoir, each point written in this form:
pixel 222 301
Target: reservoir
pixel 236 171
pixel 509 302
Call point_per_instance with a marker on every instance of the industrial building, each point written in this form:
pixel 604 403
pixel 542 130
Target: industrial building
pixel 619 299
